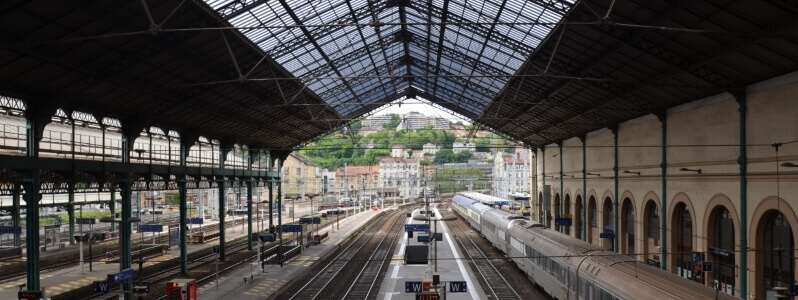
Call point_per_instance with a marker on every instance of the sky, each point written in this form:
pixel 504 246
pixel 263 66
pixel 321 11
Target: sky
pixel 422 107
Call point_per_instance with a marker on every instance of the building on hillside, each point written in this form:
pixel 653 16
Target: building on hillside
pixel 353 181
pixel 458 147
pixel 511 173
pixel 376 121
pixel 402 174
pixel 415 120
pixel 299 177
pixel 327 181
pixel 400 151
pixel 429 148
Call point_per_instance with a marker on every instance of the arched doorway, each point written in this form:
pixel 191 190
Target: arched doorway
pixel 682 225
pixel 721 249
pixel 554 214
pixel 777 241
pixel 628 226
pixel 652 233
pixel 540 207
pixel 567 213
pixel 607 223
pixel 578 217
pixel 592 219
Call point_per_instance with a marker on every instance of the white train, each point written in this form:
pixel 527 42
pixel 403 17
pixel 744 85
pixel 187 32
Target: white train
pixel 562 265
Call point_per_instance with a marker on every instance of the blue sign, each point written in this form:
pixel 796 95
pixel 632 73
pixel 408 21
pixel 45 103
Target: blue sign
pixel 85 221
pixel 305 221
pixel 150 228
pixel 141 287
pixel 316 220
pixel 100 286
pixel 458 287
pixel 423 239
pixel 563 221
pixel 607 235
pixel 121 276
pixel 416 227
pixel 413 286
pixel 501 202
pixel 195 220
pixel 10 229
pixel 721 252
pixel 794 290
pixel 55 226
pixel 290 228
pixel 266 237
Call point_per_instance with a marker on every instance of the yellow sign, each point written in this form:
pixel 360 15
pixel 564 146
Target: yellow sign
pixel 569 215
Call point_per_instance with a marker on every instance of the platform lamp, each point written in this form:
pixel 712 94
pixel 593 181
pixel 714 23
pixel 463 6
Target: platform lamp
pixel 632 172
pixel 130 220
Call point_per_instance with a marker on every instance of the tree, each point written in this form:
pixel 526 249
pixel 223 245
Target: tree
pixel 395 120
pixel 443 156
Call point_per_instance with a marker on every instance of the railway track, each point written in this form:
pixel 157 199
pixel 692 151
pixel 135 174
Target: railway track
pixel 492 281
pixel 350 278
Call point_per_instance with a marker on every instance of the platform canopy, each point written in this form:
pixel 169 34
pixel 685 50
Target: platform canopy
pixel 278 73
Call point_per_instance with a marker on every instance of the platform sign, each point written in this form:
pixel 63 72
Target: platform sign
pixel 563 221
pixel 100 286
pixel 121 276
pixel 266 237
pixel 316 220
pixel 458 287
pixel 197 220
pixel 607 235
pixel 707 266
pixel 150 228
pixel 305 221
pixel 794 290
pixel 85 221
pixel 141 287
pixel 290 228
pixel 417 227
pixel 54 226
pixel 10 229
pixel 413 286
pixel 29 294
pixel 423 239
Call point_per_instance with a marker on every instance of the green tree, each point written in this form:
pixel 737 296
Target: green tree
pixel 443 156
pixel 395 120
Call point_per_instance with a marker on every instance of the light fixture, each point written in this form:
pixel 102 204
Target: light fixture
pixel 549 176
pixel 631 172
pixel 691 170
pixel 596 174
pixel 789 165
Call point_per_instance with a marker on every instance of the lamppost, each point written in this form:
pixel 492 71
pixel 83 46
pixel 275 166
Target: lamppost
pixel 130 220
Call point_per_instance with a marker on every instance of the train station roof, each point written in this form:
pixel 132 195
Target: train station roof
pixel 277 73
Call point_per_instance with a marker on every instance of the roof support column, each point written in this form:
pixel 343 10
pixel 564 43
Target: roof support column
pixel 742 161
pixel 15 220
pixel 583 221
pixel 561 209
pixel 71 211
pixel 36 119
pixel 223 149
pixel 615 174
pixel 130 130
pixel 185 146
pixel 271 193
pixel 250 161
pixel 546 208
pixel 281 156
pixel 535 188
pixel 663 119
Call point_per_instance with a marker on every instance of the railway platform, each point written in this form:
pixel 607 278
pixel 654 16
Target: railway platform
pixel 64 280
pixel 451 268
pixel 249 283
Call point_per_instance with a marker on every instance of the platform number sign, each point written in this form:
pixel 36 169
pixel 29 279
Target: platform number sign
pixel 794 290
pixel 707 266
pixel 458 287
pixel 413 286
pixel 100 286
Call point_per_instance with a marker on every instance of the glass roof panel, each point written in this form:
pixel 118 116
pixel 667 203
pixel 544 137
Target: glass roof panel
pixel 334 48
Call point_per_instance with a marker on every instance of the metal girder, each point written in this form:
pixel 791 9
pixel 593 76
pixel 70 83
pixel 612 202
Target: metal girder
pixel 237 7
pixel 481 31
pixel 318 47
pixel 462 81
pixel 561 7
pixel 457 56
pixel 318 32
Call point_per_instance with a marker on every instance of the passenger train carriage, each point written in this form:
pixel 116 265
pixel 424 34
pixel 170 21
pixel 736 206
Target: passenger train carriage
pixel 564 266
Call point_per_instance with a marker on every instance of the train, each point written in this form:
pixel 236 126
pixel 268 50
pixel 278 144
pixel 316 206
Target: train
pixel 569 268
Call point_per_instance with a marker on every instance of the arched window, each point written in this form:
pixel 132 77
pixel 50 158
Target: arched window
pixel 778 247
pixel 683 229
pixel 567 213
pixel 629 226
pixel 722 248
pixel 653 224
pixel 578 220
